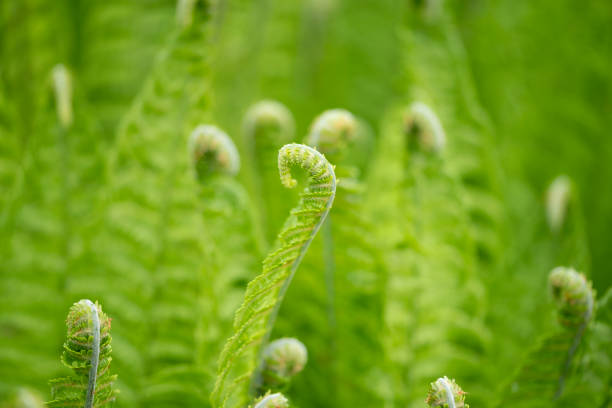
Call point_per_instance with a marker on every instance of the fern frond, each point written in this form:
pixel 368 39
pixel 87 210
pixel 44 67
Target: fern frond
pixel 424 127
pixel 542 378
pixel 445 393
pixel 212 151
pixel 282 359
pixel 87 351
pixel 241 356
pixel 276 400
pixel 266 127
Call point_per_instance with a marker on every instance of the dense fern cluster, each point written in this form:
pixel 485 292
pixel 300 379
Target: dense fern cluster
pixel 438 250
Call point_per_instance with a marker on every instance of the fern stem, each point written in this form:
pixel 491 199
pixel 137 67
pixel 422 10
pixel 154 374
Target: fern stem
pixel 95 355
pixel 450 399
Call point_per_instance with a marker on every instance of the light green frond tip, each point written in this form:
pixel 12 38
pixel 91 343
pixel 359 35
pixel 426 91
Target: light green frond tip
pixel 269 115
pixel 184 12
pixel 445 393
pixel 424 128
pixel 62 88
pixel 573 295
pixel 558 197
pixel 87 351
pixel 276 400
pixel 283 358
pixel 332 131
pixel 212 152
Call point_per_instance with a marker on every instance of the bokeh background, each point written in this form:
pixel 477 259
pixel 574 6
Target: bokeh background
pixel 532 79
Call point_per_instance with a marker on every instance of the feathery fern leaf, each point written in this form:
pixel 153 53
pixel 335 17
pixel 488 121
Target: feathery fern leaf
pixel 240 360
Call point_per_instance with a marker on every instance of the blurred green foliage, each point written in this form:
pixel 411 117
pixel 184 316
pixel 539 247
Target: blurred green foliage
pixel 430 264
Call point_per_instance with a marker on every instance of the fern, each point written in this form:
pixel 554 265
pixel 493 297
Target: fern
pixel 87 351
pixel 434 304
pixel 241 357
pixel 267 126
pixel 542 378
pixel 150 223
pixel 231 246
pixel 345 258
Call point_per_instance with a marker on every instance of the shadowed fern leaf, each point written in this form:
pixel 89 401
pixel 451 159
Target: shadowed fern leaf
pixel 242 354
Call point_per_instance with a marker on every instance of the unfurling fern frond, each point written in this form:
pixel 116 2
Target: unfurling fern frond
pixel 424 128
pixel 62 85
pixel 240 361
pixel 276 400
pixel 543 376
pixel 87 351
pixel 267 126
pixel 332 131
pixel 212 151
pixel 282 359
pixel 445 393
pixel 557 200
pixel 231 249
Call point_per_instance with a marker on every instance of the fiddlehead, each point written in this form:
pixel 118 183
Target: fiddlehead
pixel 87 351
pixel 424 128
pixel 266 116
pixel 548 367
pixel 282 359
pixel 276 400
pixel 332 131
pixel 267 126
pixel 242 354
pixel 62 85
pixel 445 393
pixel 558 197
pixel 212 151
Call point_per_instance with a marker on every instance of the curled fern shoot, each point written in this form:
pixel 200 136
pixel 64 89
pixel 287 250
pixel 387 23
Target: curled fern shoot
pixel 276 400
pixel 283 359
pixel 267 126
pixel 543 376
pixel 242 357
pixel 266 115
pixel 445 393
pixel 62 87
pixel 212 151
pixel 87 351
pixel 573 295
pixel 558 196
pixel 332 131
pixel 424 128
pixel 184 12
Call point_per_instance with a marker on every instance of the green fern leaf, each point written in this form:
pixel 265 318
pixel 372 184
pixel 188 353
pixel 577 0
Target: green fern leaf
pixel 242 354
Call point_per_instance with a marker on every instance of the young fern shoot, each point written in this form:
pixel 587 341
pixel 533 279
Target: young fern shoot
pixel 87 351
pixel 267 126
pixel 544 374
pixel 445 393
pixel 282 360
pixel 242 357
pixel 424 128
